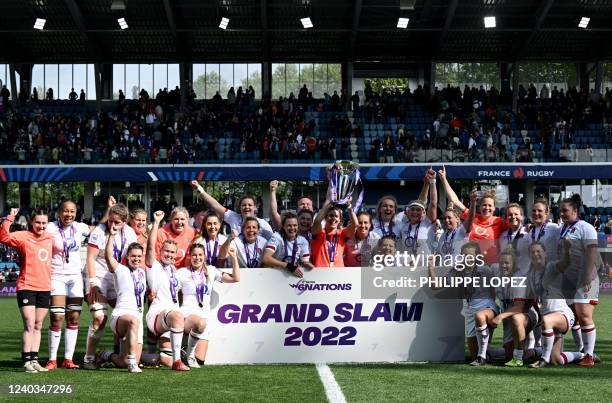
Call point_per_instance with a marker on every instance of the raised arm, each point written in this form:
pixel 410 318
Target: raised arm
pixel 467 224
pixel 352 226
pixel 109 204
pixel 275 218
pixel 432 209
pixel 208 199
pixel 158 216
pixel 234 277
pixel 317 223
pixel 425 189
pixel 6 237
pixel 224 249
pixel 450 193
pixel 108 251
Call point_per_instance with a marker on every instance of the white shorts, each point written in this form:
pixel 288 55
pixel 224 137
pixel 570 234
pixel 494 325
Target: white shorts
pixel 192 310
pixel 569 318
pixel 156 314
pixel 115 319
pixel 590 297
pixel 70 285
pixel 107 286
pixel 471 309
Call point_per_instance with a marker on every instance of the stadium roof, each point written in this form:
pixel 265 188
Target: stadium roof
pixel 361 30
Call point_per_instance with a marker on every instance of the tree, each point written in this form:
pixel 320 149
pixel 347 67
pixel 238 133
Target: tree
pixel 205 86
pixel 254 80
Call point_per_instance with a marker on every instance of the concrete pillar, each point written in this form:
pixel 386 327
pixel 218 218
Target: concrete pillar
pixel 186 81
pixel 25 194
pixel 88 199
pixel 13 82
pixel 177 193
pixel 265 198
pixel 146 199
pixel 3 188
pixel 515 86
pixel 348 71
pixel 598 76
pixel 266 79
pixel 529 195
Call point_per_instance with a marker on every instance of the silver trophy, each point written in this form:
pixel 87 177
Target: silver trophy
pixel 344 182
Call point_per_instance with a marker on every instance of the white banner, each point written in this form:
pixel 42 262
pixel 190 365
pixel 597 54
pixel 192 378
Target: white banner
pixel 274 317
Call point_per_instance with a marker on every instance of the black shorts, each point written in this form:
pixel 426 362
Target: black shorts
pixel 40 299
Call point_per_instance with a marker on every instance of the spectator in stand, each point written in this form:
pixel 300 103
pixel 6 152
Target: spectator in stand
pixel 49 96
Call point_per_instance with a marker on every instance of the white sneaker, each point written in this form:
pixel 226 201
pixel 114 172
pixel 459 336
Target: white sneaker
pixel 38 367
pixel 29 368
pixel 192 362
pixel 134 369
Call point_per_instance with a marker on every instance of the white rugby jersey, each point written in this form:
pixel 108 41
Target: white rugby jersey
pixel 66 258
pixel 130 286
pixel 253 250
pixel 164 282
pixel 393 227
pixel 235 222
pixel 450 242
pixel 285 253
pixel 121 241
pixel 192 280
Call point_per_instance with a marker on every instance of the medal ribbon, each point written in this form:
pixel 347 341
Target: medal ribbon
pixel 67 246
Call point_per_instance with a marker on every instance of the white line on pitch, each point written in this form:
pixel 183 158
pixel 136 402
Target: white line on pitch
pixel 332 389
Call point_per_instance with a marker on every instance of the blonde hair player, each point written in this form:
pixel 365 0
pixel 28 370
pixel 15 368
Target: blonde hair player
pixel 198 282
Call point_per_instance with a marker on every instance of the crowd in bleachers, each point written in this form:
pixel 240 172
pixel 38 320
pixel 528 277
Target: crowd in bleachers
pixel 391 126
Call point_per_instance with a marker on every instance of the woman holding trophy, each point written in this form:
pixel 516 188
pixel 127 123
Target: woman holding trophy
pixel 329 239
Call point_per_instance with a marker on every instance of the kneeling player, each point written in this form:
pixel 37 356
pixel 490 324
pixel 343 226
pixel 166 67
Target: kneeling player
pixel 558 318
pixel 197 285
pixel 126 319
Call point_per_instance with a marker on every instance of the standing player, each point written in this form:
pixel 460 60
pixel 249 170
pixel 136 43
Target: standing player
pixel 101 285
pixel 35 248
pixel 486 227
pixel 418 229
pixel 250 245
pixel 455 232
pixel 582 281
pixel 516 237
pixel 247 206
pixel 126 320
pixel 212 240
pixel 164 313
pixel 177 229
pixel 328 241
pixel 197 286
pixel 363 241
pixel 386 221
pixel 66 282
pixel 138 222
pixel 286 249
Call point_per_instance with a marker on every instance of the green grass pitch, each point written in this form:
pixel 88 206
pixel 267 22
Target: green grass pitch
pixel 300 383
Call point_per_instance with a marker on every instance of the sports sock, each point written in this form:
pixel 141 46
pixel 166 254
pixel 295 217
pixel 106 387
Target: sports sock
pixel 577 336
pixel 517 353
pixel 569 357
pixel 25 356
pixel 588 336
pixel 482 336
pixel 131 358
pixel 70 335
pixel 531 340
pixel 176 338
pixel 192 342
pixel 548 339
pixel 55 336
